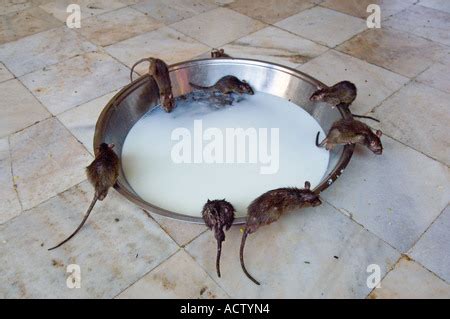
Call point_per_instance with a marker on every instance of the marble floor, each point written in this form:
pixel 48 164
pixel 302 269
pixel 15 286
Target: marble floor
pixel 398 220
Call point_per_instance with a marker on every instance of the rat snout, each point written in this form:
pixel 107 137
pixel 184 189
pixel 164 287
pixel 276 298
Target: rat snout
pixel 316 202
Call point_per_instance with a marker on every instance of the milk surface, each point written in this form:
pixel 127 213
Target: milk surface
pixel 150 169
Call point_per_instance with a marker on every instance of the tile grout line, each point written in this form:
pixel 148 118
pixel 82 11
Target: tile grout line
pixel 12 175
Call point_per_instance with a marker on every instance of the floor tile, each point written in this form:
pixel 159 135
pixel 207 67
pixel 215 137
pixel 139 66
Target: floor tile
pixel 181 232
pixel 394 50
pixel 178 277
pixel 395 197
pixel 218 27
pixel 164 43
pixel 411 281
pixel 9 202
pixel 4 73
pixel 46 160
pixel 374 84
pixel 436 4
pixel 171 11
pixel 43 49
pixel 19 24
pixel 358 8
pixel 298 259
pixel 432 248
pixel 437 76
pixel 18 108
pixel 117 26
pixel 81 120
pixel 70 83
pixel 268 11
pixel 117 246
pixel 418 115
pixel 428 23
pixel 319 24
pixel 89 8
pixel 12 6
pixel 275 45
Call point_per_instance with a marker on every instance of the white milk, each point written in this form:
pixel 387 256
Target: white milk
pixel 185 187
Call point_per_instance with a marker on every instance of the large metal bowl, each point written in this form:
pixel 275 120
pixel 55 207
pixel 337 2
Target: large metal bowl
pixel 137 98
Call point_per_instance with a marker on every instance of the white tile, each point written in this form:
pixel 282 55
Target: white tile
pixel 392 195
pixel 178 277
pixel 218 27
pixel 4 73
pixel 18 108
pixel 77 80
pixel 411 281
pixel 46 160
pixel 117 246
pixel 436 4
pixel 432 249
pixel 43 49
pixel 437 76
pixel 9 202
pixel 294 257
pixel 319 24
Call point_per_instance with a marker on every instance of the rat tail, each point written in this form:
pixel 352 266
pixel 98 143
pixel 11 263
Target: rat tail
pixel 366 117
pixel 241 253
pixel 198 87
pixel 134 65
pixel 94 200
pixel 219 251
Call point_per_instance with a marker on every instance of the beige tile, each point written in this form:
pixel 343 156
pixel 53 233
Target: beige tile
pixel 181 232
pixel 46 160
pixel 409 280
pixel 178 277
pixel 43 49
pixel 418 116
pixel 17 25
pixel 270 11
pixel 171 11
pixel 4 73
pixel 11 6
pixel 9 202
pixel 425 22
pixel 81 120
pixel 295 252
pixel 374 83
pixel 319 24
pixel 358 8
pixel 218 27
pixel 436 4
pixel 432 248
pixel 77 80
pixel 88 8
pixel 437 76
pixel 396 195
pixel 117 25
pixel 164 43
pixel 275 45
pixel 118 245
pixel 18 108
pixel 394 50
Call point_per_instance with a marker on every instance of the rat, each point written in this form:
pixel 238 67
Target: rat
pixel 102 173
pixel 350 131
pixel 341 94
pixel 159 70
pixel 218 214
pixel 269 207
pixel 227 84
pixel 219 53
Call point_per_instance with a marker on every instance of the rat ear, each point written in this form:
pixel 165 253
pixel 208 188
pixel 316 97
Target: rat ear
pixel 307 185
pixel 379 133
pixel 111 145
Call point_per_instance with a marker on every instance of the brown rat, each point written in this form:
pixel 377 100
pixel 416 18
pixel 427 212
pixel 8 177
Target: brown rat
pixel 160 72
pixel 219 53
pixel 227 84
pixel 341 94
pixel 350 131
pixel 218 214
pixel 268 208
pixel 102 173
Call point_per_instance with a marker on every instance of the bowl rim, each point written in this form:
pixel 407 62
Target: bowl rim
pixel 342 163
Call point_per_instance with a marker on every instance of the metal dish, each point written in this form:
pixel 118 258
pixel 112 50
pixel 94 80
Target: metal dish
pixel 137 98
